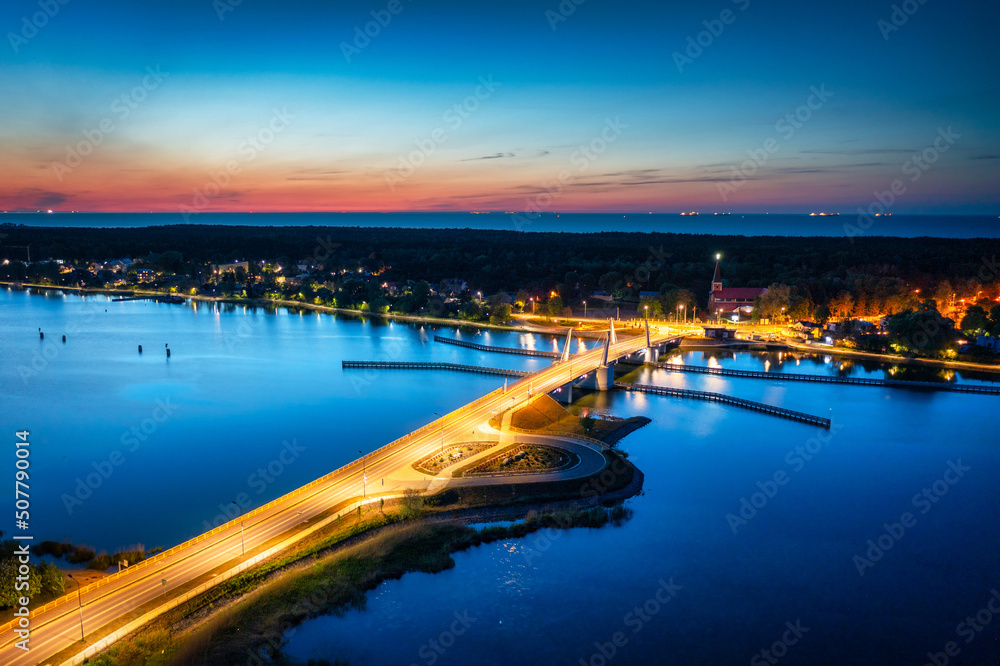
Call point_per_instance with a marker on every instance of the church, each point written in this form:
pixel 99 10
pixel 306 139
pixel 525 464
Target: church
pixel 730 302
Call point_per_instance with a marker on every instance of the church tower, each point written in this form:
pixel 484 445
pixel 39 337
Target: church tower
pixel 717 279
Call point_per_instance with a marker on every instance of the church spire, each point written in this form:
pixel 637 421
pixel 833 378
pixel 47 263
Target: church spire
pixel 717 279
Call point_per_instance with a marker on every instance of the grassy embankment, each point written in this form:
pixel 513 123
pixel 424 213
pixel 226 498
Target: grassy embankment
pixel 333 570
pixel 545 416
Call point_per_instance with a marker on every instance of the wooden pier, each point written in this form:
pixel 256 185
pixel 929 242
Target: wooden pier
pixel 826 379
pixel 729 400
pixel 418 365
pixel 502 350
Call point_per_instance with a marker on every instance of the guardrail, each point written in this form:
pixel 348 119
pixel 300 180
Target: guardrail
pixel 729 400
pixel 422 365
pixel 865 381
pixel 502 350
pixel 115 636
pixel 145 564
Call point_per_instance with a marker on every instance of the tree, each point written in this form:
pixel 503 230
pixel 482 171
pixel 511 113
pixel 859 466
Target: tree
pixel 676 297
pixel 51 580
pixel 555 306
pixel 421 294
pixel 521 299
pixel 923 331
pixel 842 305
pixel 975 320
pixel 500 314
pixel 654 304
pixel 774 302
pixel 588 423
pixel 412 503
pixel 821 314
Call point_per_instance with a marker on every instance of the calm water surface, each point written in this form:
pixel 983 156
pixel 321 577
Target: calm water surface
pixel 241 382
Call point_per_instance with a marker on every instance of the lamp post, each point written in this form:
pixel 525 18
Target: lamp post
pixel 585 309
pixel 243 545
pixel 646 308
pixel 442 432
pixel 364 477
pixel 532 299
pixel 79 599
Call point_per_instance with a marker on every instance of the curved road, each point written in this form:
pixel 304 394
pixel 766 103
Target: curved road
pixel 58 628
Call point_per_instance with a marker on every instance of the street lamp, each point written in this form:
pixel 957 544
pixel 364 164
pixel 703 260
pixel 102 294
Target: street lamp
pixel 646 308
pixel 442 432
pixel 532 299
pixel 585 309
pixel 364 477
pixel 79 599
pixel 243 546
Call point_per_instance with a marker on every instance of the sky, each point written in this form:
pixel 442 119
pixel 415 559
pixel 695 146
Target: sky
pixel 551 106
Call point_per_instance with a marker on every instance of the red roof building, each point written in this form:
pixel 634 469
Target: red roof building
pixel 727 301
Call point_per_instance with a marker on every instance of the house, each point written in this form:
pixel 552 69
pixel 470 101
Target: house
pixel 720 333
pixel 145 274
pixel 222 268
pixel 731 301
pixel 454 286
pixel 601 296
pixel 989 342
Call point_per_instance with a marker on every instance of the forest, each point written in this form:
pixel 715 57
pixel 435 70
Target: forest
pixel 867 269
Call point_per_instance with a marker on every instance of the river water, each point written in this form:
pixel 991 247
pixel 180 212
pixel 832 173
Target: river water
pixel 747 522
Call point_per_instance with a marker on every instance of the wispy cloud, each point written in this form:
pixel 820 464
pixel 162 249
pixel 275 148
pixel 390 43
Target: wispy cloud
pixel 494 156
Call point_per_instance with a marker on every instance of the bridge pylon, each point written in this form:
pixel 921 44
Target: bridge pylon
pixel 566 347
pixel 603 378
pixel 652 354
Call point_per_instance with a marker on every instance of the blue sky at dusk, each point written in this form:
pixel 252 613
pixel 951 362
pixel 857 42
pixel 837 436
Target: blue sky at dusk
pixel 262 110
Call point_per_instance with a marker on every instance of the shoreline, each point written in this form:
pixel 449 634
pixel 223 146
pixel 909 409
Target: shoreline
pixel 192 627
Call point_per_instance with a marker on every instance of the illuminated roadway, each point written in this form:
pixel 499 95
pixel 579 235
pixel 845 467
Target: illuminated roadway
pixel 59 628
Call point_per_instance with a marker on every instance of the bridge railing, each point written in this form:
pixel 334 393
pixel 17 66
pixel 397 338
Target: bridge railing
pixel 283 499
